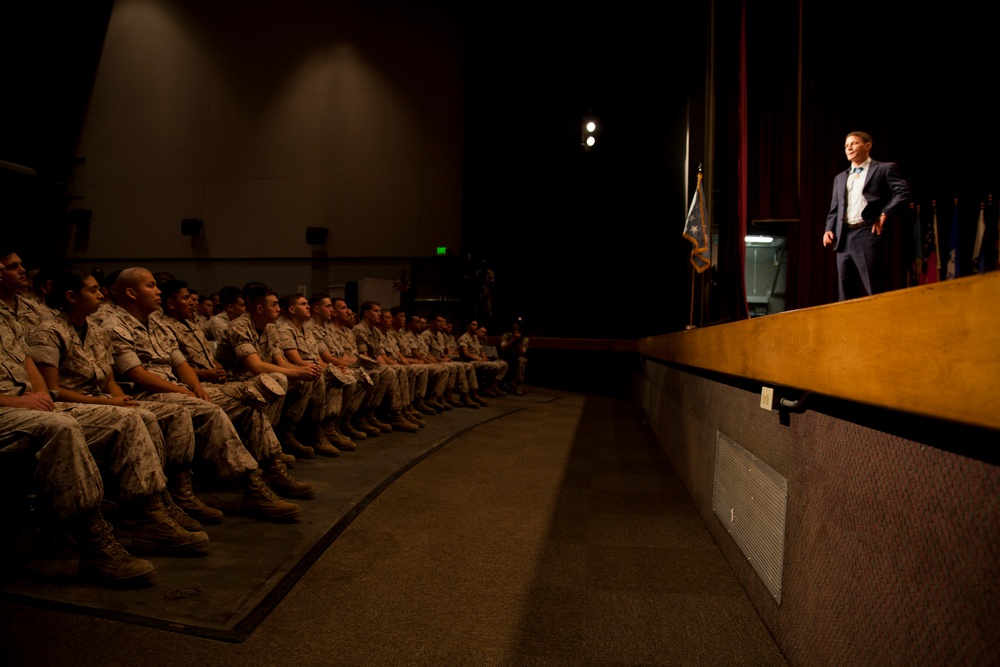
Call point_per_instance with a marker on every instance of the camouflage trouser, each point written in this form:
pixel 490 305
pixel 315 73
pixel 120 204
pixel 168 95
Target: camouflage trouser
pixel 466 368
pixel 382 382
pixel 334 383
pixel 252 410
pixel 121 442
pixel 173 424
pixel 216 440
pixel 398 386
pixel 304 401
pixel 66 469
pixel 357 391
pixel 416 378
pixel 490 371
pixel 457 378
pixel 439 376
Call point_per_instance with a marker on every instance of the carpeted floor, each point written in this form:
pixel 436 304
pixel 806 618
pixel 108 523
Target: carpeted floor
pixel 554 535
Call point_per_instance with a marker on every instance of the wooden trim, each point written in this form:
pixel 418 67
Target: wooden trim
pixel 932 350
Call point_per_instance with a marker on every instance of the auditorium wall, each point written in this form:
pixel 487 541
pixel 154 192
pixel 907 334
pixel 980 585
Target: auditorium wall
pixel 891 537
pixel 263 119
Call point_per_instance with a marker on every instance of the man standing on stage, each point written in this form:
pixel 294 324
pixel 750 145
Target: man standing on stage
pixel 865 197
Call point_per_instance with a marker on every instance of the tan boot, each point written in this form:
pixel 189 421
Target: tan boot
pixel 291 445
pixel 380 425
pixel 156 531
pixel 177 514
pixel 102 558
pixel 275 475
pixel 354 434
pixel 182 492
pixel 361 424
pixel 323 445
pixel 399 423
pixel 339 440
pixel 260 502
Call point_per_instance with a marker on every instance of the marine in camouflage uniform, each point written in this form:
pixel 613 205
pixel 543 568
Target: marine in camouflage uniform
pixel 84 367
pixel 15 305
pixel 147 353
pixel 464 374
pixel 472 350
pixel 344 371
pixel 116 436
pixel 152 347
pixel 253 405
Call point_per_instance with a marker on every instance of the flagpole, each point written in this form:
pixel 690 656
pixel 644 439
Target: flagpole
pixel 691 317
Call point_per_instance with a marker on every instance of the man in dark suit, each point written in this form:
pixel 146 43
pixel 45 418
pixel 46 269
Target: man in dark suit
pixel 864 198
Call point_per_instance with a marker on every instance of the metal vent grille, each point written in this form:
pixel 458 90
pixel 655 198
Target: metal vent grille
pixel 750 499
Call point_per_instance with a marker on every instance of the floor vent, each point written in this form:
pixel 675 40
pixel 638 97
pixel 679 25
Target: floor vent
pixel 750 500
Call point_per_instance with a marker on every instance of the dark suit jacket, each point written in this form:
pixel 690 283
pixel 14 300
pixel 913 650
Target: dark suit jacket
pixel 885 191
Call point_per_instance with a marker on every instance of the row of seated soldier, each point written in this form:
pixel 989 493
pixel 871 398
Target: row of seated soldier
pixel 126 389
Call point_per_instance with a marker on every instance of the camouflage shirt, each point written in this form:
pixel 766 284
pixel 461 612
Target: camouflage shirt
pixel 151 345
pixel 434 341
pixel 13 350
pixel 291 337
pixel 367 340
pixel 326 335
pixel 84 365
pixel 345 337
pixel 243 339
pixel 192 342
pixel 472 343
pixel 216 327
pixel 27 312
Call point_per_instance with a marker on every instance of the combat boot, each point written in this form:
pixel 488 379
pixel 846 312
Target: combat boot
pixel 156 531
pixel 323 445
pixel 413 415
pixel 473 395
pixel 399 423
pixel 102 558
pixel 468 402
pixel 260 502
pixel 276 476
pixel 291 445
pixel 361 424
pixel 380 425
pixel 354 434
pixel 424 408
pixel 339 440
pixel 182 492
pixel 177 514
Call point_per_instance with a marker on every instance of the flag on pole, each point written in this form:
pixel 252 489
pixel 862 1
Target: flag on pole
pixel 978 253
pixel 696 231
pixel 954 265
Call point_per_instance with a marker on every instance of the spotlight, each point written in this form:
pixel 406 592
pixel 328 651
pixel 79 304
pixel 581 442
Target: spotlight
pixel 589 133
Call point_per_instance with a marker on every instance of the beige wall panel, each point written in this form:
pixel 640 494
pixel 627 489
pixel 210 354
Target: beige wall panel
pixel 268 120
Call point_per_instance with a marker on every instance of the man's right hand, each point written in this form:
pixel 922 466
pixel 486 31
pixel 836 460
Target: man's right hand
pixel 30 401
pixel 827 239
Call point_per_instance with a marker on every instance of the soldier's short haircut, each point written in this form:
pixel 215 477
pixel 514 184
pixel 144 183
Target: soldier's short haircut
pixel 366 306
pixel 69 280
pixel 317 298
pixel 254 292
pixel 229 295
pixel 288 301
pixel 169 289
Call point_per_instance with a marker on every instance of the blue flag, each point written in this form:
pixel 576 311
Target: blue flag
pixel 696 231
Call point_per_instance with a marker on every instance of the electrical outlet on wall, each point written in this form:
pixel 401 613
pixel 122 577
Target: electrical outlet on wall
pixel 766 398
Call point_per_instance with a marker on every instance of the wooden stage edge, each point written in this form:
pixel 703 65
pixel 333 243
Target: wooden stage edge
pixel 932 350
